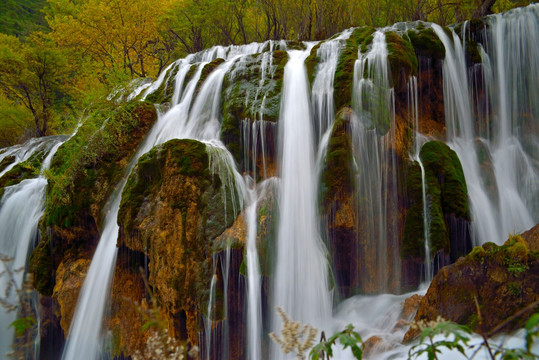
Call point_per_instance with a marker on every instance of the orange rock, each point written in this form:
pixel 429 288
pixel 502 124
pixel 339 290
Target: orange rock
pixel 70 276
pixel 410 306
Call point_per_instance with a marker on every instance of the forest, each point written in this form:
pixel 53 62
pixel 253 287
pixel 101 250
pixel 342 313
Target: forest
pixel 61 58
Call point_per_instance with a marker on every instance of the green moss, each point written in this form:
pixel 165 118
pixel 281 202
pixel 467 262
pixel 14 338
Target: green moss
pixel 240 85
pixel 206 71
pixel 312 60
pixel 344 73
pixel 426 43
pixel 446 194
pixel 295 45
pixel 443 164
pixel 164 93
pixel 41 266
pixel 189 158
pixel 337 176
pixel 402 58
pixel 243 266
pixel 8 160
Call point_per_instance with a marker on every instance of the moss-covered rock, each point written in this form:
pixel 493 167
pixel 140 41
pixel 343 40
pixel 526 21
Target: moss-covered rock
pixel 337 177
pixel 445 165
pixel 249 96
pixel 82 175
pixel 501 279
pixel 163 93
pixel 426 43
pixel 6 161
pixel 311 61
pixel 338 203
pixel 402 59
pixel 360 39
pixel 447 198
pixel 22 171
pixel 172 210
pixel 206 71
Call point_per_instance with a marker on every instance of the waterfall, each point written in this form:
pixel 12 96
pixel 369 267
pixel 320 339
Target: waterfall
pixel 322 88
pixel 491 109
pixel 254 305
pixel 300 283
pixel 183 120
pixel 372 136
pixel 502 202
pixel 21 207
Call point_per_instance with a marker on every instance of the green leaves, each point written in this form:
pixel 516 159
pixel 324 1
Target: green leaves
pixel 455 339
pixel 347 338
pixel 22 324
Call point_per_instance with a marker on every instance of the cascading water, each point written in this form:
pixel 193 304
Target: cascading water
pixel 182 121
pixel 508 74
pixel 21 207
pixel 419 140
pixel 372 136
pixel 322 88
pixel 300 276
pixel 300 284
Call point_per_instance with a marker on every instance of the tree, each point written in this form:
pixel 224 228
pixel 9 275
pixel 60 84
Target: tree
pixel 32 74
pixel 113 32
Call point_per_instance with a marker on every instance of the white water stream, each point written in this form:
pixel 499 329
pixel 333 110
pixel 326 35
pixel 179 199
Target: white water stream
pixel 21 207
pixel 300 284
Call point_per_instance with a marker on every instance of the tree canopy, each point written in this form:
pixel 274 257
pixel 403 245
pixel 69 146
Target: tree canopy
pixel 60 55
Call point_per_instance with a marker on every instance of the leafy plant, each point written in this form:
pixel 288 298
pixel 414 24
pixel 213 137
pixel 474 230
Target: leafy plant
pixel 455 338
pixel 515 267
pixel 348 338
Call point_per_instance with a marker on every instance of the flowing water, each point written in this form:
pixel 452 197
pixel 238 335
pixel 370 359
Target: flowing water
pixel 499 157
pixel 198 120
pixel 300 283
pixel 504 196
pixel 21 207
pixel 372 136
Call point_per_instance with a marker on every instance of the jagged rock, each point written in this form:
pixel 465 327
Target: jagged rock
pixel 410 306
pixel 531 237
pixel 484 289
pixel 82 175
pixel 448 207
pixel 172 209
pixel 70 276
pixel 338 204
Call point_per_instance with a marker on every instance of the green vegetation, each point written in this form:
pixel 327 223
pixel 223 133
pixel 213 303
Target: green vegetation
pixel 344 74
pixel 82 175
pixel 21 17
pixel 347 338
pixel 446 194
pixel 189 158
pixel 401 57
pixel 337 177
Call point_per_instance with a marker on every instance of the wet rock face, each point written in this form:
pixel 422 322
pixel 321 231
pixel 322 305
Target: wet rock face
pixel 447 203
pixel 338 205
pixel 172 208
pixel 501 279
pixel 83 174
pixel 70 276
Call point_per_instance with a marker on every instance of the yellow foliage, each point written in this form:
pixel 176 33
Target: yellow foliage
pixel 115 33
